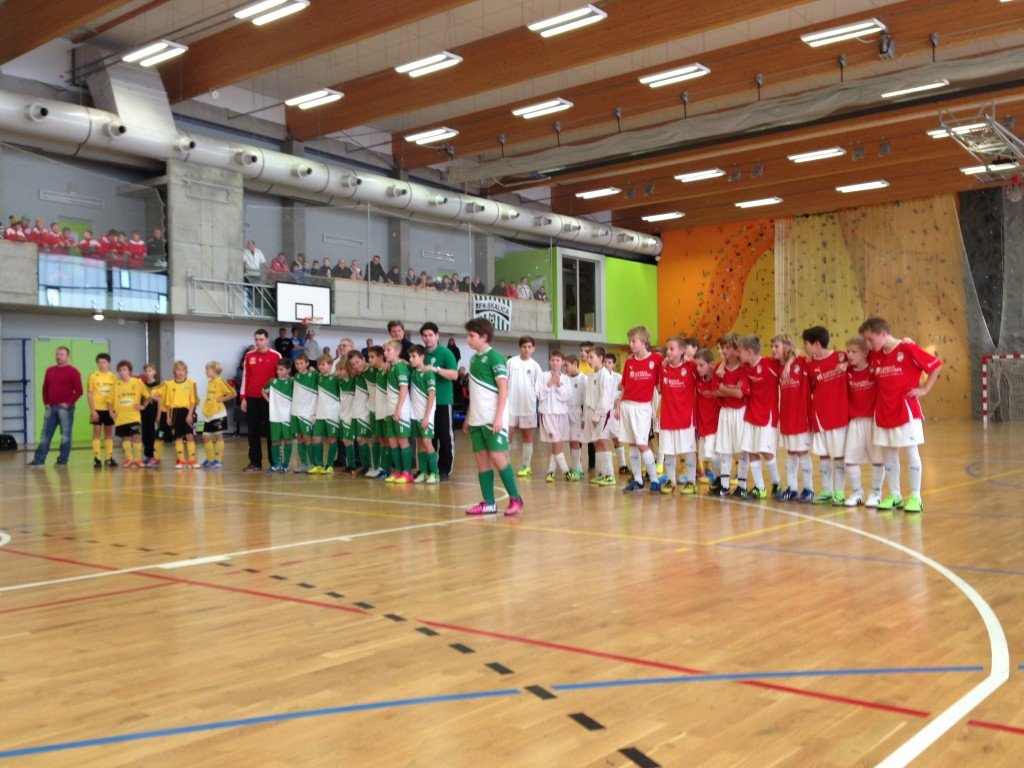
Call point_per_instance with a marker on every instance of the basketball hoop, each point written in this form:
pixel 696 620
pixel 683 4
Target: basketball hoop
pixel 311 323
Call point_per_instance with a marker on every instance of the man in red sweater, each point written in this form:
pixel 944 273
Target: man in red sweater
pixel 62 386
pixel 259 368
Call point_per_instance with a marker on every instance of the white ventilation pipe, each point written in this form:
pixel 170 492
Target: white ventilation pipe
pixel 92 133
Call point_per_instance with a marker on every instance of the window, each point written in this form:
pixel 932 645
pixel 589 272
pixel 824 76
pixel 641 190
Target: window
pixel 579 310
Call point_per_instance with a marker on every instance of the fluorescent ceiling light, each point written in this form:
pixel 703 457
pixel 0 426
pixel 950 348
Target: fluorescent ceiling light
pixel 566 22
pixel 689 72
pixel 170 51
pixel 759 203
pixel 916 89
pixel 845 32
pixel 257 8
pixel 434 134
pixel 977 170
pixel 944 133
pixel 293 6
pixel 542 108
pixel 147 50
pixel 664 216
pixel 712 173
pixel 314 98
pixel 820 154
pixel 864 187
pixel 603 192
pixel 421 67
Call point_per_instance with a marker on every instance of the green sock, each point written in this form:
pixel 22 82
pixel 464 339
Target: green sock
pixel 385 459
pixel 487 485
pixel 303 454
pixel 421 462
pixel 332 454
pixel 432 463
pixel 396 459
pixel 287 454
pixel 364 456
pixel 508 479
pixel 375 453
pixel 406 458
pixel 350 455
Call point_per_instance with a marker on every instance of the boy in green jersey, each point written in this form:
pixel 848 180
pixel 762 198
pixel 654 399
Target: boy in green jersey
pixel 325 428
pixel 360 422
pixel 304 397
pixel 423 393
pixel 278 393
pixel 397 424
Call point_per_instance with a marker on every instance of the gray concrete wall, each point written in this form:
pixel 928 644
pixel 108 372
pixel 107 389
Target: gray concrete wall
pixel 21 273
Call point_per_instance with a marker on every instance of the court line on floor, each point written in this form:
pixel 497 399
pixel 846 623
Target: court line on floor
pixel 259 720
pixel 499 496
pixel 5 538
pixel 84 598
pixel 759 531
pixel 993 478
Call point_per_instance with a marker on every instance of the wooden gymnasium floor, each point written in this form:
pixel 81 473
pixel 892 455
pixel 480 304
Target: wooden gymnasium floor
pixel 339 622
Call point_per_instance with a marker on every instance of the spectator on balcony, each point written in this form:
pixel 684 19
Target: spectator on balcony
pixel 443 283
pixel 365 351
pixel 499 289
pixel 156 246
pixel 253 262
pixel 477 286
pixel 394 276
pixel 53 241
pixel 68 239
pixel 454 286
pixel 424 281
pixel 118 254
pixel 279 266
pixel 355 273
pixel 511 291
pixel 375 271
pixel 17 230
pixel 316 270
pixel 136 249
pixel 523 289
pixel 284 344
pixel 37 233
pixel 89 246
pixel 299 265
pixel 464 285
pixel 541 294
pixel 328 269
pixel 410 276
pixel 341 271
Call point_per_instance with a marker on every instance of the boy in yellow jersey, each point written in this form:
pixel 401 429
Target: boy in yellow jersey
pixel 215 414
pixel 130 396
pixel 99 389
pixel 178 414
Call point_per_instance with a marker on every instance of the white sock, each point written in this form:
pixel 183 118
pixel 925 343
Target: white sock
pixel 577 458
pixel 551 464
pixel 634 463
pixel 716 463
pixel 559 459
pixel 839 476
pixel 877 476
pixel 792 464
pixel 914 469
pixel 755 479
pixel 661 455
pixel 853 472
pixel 725 469
pixel 527 454
pixel 670 467
pixel 648 459
pixel 620 452
pixel 603 463
pixel 773 469
pixel 691 468
pixel 742 469
pixel 892 470
pixel 806 472
pixel 825 468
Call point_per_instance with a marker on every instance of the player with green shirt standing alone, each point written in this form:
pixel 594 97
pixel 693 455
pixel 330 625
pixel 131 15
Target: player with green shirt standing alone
pixel 487 420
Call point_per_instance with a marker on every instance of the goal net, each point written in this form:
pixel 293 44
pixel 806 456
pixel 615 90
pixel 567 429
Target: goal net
pixel 1002 388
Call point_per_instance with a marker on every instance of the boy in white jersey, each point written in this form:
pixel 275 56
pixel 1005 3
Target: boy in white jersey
pixel 579 388
pixel 554 392
pixel 346 396
pixel 610 362
pixel 398 424
pixel 278 393
pixel 599 402
pixel 360 422
pixel 304 397
pixel 487 420
pixel 423 393
pixel 523 376
pixel 326 426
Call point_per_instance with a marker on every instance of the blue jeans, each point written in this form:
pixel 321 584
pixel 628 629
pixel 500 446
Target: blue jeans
pixel 56 416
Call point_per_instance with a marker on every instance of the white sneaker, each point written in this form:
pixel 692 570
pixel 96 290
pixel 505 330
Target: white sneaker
pixel 854 500
pixel 873 500
pixel 373 474
pixel 420 478
pixel 431 479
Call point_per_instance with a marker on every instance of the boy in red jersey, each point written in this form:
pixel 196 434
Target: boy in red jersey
pixel 860 435
pixel 761 419
pixel 89 246
pixel 898 417
pixel 136 249
pixel 708 406
pixel 733 391
pixel 830 413
pixel 676 435
pixel 634 410
pixel 794 421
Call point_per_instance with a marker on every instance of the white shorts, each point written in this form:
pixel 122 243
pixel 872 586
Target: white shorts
pixel 554 427
pixel 796 443
pixel 635 422
pixel 522 422
pixel 596 426
pixel 903 436
pixel 614 426
pixel 759 439
pixel 677 442
pixel 706 445
pixel 575 428
pixel 860 442
pixel 829 442
pixel 729 437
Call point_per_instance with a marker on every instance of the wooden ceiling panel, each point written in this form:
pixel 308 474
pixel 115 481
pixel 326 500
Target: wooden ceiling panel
pixel 27 24
pixel 245 50
pixel 519 55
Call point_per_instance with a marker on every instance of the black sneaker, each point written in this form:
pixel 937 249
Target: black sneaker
pixel 716 486
pixel 723 492
pixel 775 490
pixel 444 477
pixel 111 463
pixel 97 464
pixel 736 492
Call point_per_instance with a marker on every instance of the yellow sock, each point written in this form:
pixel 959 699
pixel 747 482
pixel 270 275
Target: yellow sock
pixel 179 449
pixel 218 448
pixel 190 448
pixel 96 448
pixel 208 451
pixel 126 446
pixel 109 446
pixel 158 450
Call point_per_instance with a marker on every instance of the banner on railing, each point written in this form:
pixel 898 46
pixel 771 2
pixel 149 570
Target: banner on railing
pixel 496 309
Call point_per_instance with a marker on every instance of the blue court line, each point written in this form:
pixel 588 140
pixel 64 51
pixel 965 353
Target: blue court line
pixel 764 676
pixel 866 558
pixel 282 717
pixel 969 469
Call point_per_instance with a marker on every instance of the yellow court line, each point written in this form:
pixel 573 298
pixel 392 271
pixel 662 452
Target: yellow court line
pixel 759 531
pixel 605 534
pixel 973 481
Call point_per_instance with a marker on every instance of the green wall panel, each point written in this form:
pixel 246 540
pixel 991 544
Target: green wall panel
pixel 631 298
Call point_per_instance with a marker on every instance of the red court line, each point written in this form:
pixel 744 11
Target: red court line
pixel 290 562
pixel 997 726
pixel 82 599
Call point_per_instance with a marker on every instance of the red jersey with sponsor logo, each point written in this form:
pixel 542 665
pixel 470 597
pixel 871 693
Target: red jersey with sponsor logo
pixel 136 252
pixel 863 390
pixel 260 367
pixel 763 406
pixel 708 406
pixel 830 401
pixel 896 373
pixel 735 378
pixel 795 399
pixel 89 247
pixel 678 395
pixel 639 378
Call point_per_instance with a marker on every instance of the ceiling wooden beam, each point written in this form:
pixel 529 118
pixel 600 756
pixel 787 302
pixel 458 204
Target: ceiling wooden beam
pixel 245 50
pixel 27 24
pixel 519 55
